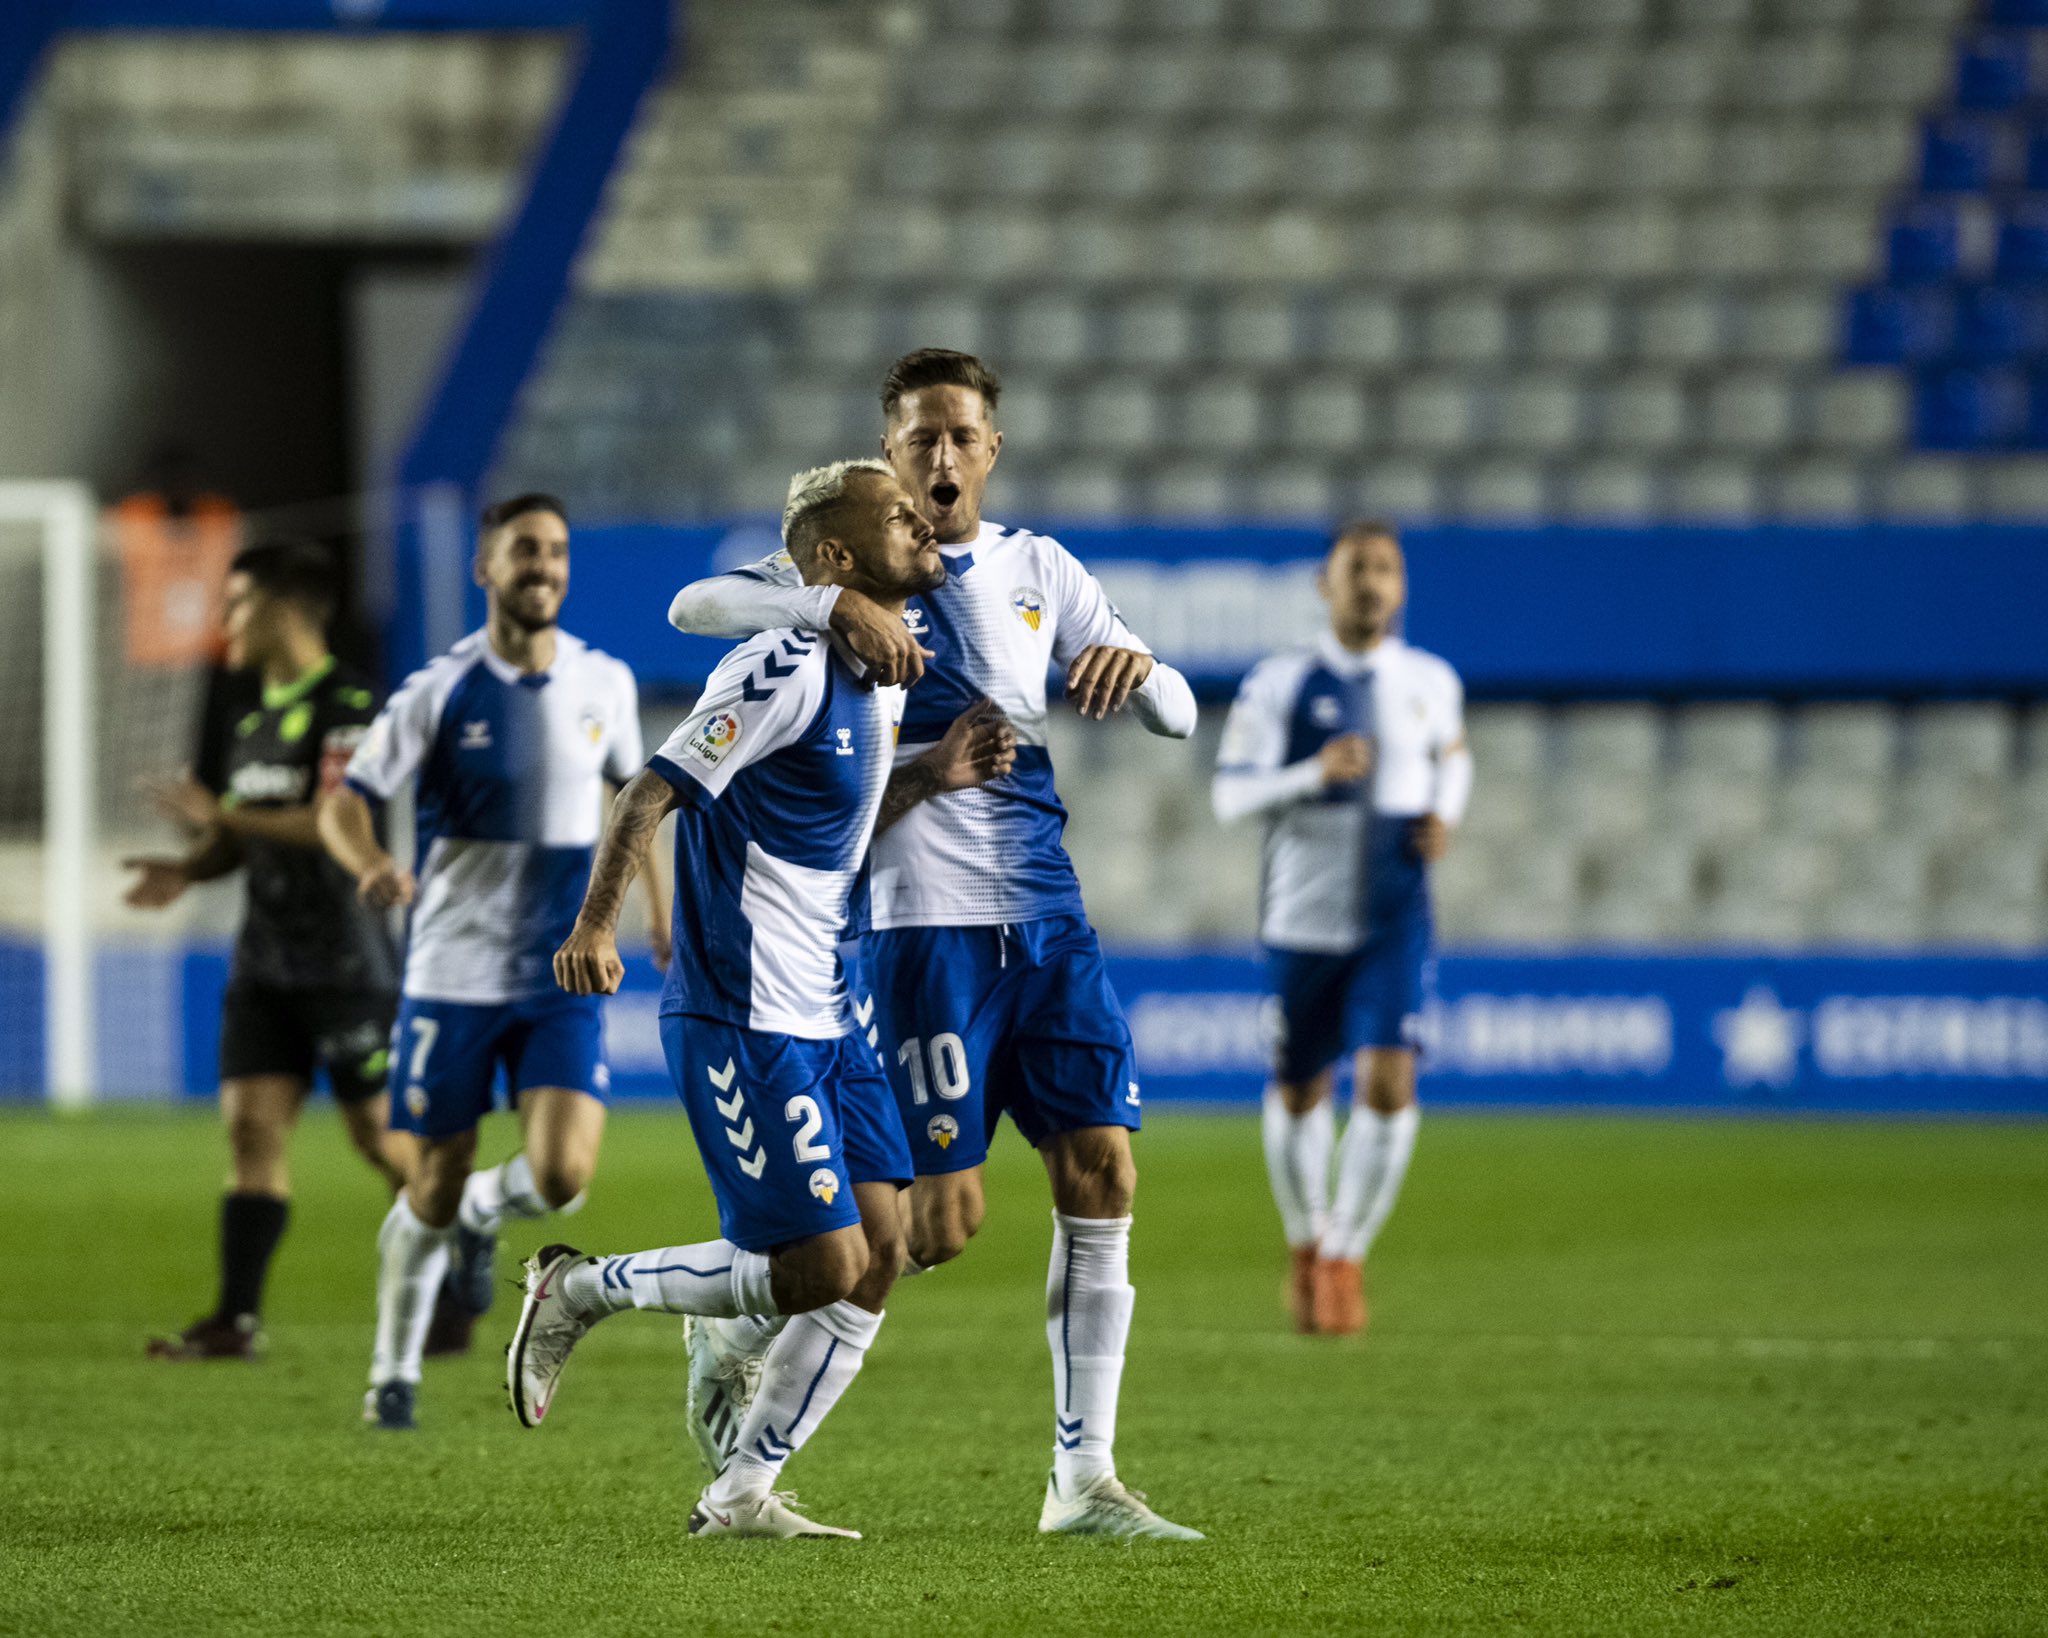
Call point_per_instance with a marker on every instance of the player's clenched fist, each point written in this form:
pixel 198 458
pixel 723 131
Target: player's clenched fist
pixel 588 963
pixel 1345 759
pixel 980 745
pixel 384 884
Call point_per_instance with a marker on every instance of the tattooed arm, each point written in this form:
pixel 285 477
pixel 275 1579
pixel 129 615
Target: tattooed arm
pixel 588 963
pixel 979 746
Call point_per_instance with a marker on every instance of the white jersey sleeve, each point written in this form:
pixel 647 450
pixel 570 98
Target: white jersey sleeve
pixel 1453 755
pixel 393 747
pixel 1085 618
pixel 763 596
pixel 625 754
pixel 1250 775
pixel 762 697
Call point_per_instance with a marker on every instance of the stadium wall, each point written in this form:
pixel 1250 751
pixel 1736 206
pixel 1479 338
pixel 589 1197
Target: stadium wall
pixel 1737 1033
pixel 1848 611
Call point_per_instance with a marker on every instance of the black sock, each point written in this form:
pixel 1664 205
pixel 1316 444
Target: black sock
pixel 250 1227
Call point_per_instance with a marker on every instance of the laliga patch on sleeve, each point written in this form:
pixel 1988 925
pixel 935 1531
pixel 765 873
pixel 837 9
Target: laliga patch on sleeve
pixel 712 738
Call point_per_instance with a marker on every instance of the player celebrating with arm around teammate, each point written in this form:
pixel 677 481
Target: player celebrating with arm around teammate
pixel 1355 752
pixel 777 780
pixel 989 985
pixel 512 734
pixel 315 974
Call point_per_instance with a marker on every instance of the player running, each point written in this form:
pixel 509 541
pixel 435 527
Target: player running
pixel 314 978
pixel 777 780
pixel 989 984
pixel 1355 752
pixel 512 734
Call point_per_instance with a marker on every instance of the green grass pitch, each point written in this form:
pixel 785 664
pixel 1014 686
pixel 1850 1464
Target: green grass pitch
pixel 1625 1376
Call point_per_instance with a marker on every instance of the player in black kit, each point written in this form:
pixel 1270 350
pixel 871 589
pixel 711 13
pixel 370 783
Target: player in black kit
pixel 314 979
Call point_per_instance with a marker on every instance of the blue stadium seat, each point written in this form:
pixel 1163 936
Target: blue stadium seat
pixel 1890 326
pixel 1999 325
pixel 1992 70
pixel 1968 409
pixel 2019 13
pixel 1923 242
pixel 2023 242
pixel 1959 153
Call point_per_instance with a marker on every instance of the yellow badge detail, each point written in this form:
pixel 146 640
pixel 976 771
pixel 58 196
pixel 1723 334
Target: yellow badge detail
pixel 824 1185
pixel 942 1130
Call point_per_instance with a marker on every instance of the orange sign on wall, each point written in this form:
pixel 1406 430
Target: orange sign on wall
pixel 173 570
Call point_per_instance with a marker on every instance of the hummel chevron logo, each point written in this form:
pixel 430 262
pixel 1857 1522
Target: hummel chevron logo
pixel 1068 1435
pixel 756 1163
pixel 794 649
pixel 863 1012
pixel 772 667
pixel 731 1111
pixel 721 1078
pixel 749 692
pixel 742 1137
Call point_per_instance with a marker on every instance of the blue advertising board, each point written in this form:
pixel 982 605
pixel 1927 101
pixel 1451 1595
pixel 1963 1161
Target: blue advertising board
pixel 1528 612
pixel 1960 1035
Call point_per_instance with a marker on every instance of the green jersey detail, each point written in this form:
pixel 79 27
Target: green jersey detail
pixel 276 699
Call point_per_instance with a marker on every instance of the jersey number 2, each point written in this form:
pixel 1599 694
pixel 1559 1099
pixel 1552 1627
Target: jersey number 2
pixel 948 1072
pixel 806 1110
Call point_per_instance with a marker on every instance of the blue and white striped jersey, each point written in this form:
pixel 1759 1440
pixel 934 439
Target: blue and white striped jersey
pixel 510 773
pixel 1338 857
pixel 780 771
pixel 1014 605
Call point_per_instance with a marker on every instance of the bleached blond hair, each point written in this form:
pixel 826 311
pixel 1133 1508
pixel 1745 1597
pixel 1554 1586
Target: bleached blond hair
pixel 818 491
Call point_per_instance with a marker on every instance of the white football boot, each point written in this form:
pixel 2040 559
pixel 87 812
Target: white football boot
pixel 722 1384
pixel 773 1515
pixel 1105 1506
pixel 547 1330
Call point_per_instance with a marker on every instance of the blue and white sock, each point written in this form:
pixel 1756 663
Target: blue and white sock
pixel 715 1278
pixel 1088 1301
pixel 412 1256
pixel 808 1368
pixel 1370 1168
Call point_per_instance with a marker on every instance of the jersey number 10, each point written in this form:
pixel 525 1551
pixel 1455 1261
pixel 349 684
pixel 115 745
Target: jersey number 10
pixel 948 1071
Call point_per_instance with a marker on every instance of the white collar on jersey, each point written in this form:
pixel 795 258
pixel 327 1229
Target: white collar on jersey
pixel 505 671
pixel 1347 663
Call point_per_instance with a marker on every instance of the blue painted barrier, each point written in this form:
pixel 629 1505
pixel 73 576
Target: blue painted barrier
pixel 1910 1034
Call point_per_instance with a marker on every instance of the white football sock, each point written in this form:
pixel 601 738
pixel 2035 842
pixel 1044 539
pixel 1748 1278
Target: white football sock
pixel 811 1364
pixel 411 1259
pixel 715 1278
pixel 499 1192
pixel 1369 1173
pixel 1088 1299
pixel 1298 1165
pixel 748 1334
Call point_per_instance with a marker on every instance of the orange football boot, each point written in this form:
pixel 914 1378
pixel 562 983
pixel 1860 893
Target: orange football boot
pixel 1301 1288
pixel 1340 1297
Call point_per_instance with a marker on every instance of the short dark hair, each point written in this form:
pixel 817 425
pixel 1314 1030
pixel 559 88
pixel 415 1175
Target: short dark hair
pixel 939 367
pixel 499 513
pixel 1365 528
pixel 297 571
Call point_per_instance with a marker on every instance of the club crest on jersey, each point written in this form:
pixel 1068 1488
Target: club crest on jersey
pixel 713 737
pixel 942 1130
pixel 416 1101
pixel 824 1185
pixel 1326 710
pixel 1029 602
pixel 592 725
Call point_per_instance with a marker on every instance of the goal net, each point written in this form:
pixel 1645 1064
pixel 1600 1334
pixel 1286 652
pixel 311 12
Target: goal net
pixel 98 697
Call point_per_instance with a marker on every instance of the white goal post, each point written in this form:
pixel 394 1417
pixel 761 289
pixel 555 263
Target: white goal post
pixel 65 517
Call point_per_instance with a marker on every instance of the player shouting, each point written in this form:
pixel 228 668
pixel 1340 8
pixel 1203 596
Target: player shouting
pixel 777 781
pixel 314 977
pixel 511 734
pixel 1355 752
pixel 991 989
